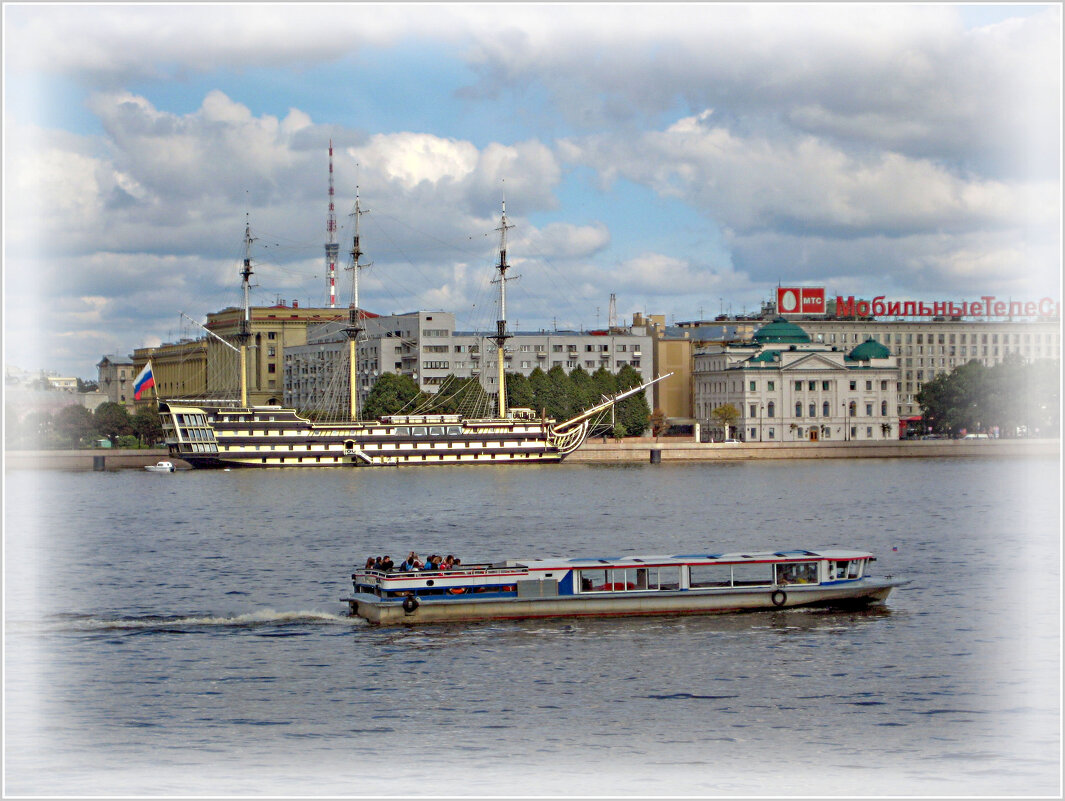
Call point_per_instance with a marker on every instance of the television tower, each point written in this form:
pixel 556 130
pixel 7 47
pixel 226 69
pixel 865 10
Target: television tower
pixel 332 249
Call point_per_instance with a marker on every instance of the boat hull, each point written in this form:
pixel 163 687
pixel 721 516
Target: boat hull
pixel 225 437
pixel 685 602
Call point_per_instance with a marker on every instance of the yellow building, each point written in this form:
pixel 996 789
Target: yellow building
pixel 208 367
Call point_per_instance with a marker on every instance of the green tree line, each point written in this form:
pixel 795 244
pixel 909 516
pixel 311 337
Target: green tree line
pixel 75 426
pixel 555 393
pixel 1015 397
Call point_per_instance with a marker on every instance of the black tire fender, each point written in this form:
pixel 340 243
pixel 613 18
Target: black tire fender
pixel 779 598
pixel 410 603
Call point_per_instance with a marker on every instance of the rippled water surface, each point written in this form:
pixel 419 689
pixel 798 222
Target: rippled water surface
pixel 182 633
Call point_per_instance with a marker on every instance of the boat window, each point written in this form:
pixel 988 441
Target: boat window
pixel 454 431
pixel 797 573
pixel 657 578
pixel 752 575
pixel 402 431
pixel 838 570
pixel 436 431
pixel 710 576
pixel 417 431
pixel 854 570
pixel 608 580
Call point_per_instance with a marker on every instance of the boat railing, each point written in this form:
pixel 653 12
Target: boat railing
pixel 455 572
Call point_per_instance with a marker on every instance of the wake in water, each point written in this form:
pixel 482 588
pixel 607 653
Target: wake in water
pixel 178 623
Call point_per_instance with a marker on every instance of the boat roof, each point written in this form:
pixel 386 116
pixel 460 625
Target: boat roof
pixel 688 558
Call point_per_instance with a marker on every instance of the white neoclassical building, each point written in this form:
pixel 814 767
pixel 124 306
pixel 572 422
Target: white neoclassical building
pixel 787 388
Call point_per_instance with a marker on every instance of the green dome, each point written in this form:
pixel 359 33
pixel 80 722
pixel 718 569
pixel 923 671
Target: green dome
pixel 781 331
pixel 870 349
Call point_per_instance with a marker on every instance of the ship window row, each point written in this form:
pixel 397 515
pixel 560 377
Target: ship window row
pixel 620 579
pixel 430 431
pixel 197 434
pixel 192 419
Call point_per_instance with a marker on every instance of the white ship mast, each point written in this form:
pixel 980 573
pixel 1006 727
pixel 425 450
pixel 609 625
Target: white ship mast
pixel 353 328
pixel 244 333
pixel 502 336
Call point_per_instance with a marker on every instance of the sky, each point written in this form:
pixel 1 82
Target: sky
pixel 685 158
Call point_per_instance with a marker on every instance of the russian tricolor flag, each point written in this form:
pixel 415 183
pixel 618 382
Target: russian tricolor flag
pixel 143 381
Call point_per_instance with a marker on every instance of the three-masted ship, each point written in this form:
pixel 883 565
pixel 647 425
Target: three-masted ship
pixel 223 434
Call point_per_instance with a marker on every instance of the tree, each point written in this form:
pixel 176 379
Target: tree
pixel 725 416
pixel 74 424
pixel 557 395
pixel 519 391
pixel 112 420
pixel 659 426
pixel 539 385
pixel 582 390
pixel 1011 396
pixel 633 413
pixel 146 425
pixel 391 394
pixel 87 386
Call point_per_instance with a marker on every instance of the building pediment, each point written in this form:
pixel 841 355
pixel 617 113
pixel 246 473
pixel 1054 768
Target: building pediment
pixel 811 361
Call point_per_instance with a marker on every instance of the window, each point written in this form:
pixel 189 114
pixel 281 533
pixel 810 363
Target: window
pixel 752 575
pixel 754 410
pixel 770 386
pixel 798 409
pixel 868 432
pixel 883 385
pixel 824 386
pixel 771 409
pixel 710 576
pixel 868 410
pixel 812 386
pixel 852 408
pixel 797 573
pixel 621 579
pixel 824 409
pixel 798 386
pixel 754 386
pixel 772 432
pixel 883 408
pixel 868 386
pixel 854 385
pixel 813 410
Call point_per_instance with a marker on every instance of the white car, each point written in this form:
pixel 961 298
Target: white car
pixel 975 436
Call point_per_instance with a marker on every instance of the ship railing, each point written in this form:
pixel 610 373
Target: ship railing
pixel 455 572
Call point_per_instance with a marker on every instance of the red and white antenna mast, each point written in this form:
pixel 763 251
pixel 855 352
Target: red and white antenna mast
pixel 332 249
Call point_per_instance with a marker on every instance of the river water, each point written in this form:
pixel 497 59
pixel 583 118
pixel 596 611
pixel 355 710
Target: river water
pixel 182 634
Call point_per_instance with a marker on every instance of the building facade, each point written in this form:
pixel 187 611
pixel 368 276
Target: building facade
pixel 426 347
pixel 786 387
pixel 115 378
pixel 928 348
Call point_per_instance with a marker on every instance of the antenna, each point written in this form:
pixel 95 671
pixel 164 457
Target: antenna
pixel 332 249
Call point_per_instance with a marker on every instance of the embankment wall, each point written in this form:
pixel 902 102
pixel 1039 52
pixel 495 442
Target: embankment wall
pixel 634 450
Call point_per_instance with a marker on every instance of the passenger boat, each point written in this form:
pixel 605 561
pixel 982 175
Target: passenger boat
pixel 683 584
pixel 160 467
pixel 236 434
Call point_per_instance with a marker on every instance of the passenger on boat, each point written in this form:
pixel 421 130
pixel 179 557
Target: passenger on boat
pixel 370 563
pixel 448 563
pixel 387 563
pixel 411 563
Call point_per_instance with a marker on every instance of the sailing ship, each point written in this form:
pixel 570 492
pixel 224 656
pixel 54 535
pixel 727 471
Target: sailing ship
pixel 225 434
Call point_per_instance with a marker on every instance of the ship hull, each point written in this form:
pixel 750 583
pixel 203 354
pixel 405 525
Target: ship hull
pixel 227 437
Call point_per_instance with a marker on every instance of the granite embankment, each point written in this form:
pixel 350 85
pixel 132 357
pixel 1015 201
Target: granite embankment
pixel 684 450
pixel 634 450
